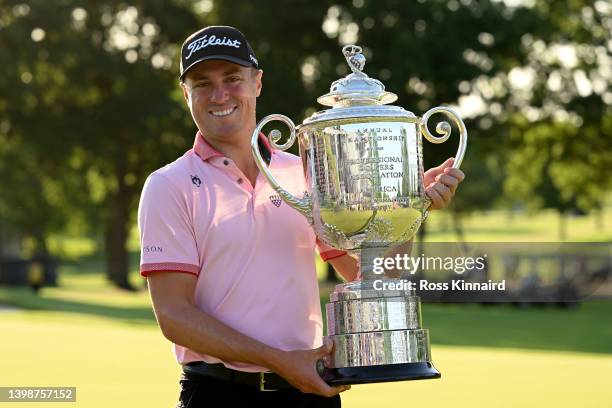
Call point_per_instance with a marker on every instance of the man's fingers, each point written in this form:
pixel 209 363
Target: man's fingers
pixel 448 181
pixel 325 349
pixel 444 191
pixel 331 391
pixel 447 163
pixel 322 388
pixel 436 200
pixel 342 388
pixel 442 182
pixel 434 171
pixel 456 173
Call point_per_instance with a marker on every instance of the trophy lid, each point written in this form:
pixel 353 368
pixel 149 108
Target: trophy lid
pixel 357 95
pixel 356 89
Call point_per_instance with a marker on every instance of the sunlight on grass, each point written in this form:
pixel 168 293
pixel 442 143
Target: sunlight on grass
pixel 105 341
pixel 482 377
pixel 505 226
pixel 121 366
pixel 110 364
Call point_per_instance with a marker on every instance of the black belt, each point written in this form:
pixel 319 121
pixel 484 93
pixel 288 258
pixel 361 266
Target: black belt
pixel 263 381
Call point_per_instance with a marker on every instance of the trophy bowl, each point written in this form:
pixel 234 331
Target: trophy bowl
pixel 363 167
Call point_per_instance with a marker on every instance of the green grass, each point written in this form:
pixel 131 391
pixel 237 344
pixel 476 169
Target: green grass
pixel 84 295
pixel 585 328
pixel 504 226
pixel 483 377
pixel 113 364
pixel 110 363
pixel 106 343
pixel 581 329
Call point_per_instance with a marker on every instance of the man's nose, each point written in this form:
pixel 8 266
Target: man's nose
pixel 219 94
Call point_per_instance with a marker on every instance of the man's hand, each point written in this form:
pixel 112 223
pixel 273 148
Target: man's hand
pixel 441 183
pixel 299 368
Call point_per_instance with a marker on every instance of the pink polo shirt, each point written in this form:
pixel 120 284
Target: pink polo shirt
pixel 252 254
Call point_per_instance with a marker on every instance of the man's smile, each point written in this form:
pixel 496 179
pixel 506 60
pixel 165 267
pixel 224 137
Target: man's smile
pixel 225 112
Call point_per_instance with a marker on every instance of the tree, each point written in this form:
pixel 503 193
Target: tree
pixel 93 96
pixel 562 120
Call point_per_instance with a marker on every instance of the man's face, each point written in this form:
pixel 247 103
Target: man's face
pixel 222 97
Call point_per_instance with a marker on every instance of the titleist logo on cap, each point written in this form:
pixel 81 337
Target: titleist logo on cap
pixel 212 40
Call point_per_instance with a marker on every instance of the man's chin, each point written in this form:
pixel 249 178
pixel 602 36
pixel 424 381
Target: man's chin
pixel 222 132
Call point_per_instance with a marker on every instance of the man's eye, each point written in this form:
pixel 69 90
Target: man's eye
pixel 201 84
pixel 235 79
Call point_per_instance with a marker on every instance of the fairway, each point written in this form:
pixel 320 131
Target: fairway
pixel 480 377
pixel 118 364
pixel 105 342
pixel 110 364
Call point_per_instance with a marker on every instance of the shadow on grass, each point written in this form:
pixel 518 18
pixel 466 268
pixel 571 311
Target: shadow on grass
pixel 493 231
pixel 545 327
pixel 584 329
pixel 26 299
pixel 94 263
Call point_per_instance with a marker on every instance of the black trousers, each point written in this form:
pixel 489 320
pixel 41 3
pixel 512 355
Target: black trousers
pixel 201 392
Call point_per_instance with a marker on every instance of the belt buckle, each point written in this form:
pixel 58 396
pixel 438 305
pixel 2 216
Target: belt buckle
pixel 262 383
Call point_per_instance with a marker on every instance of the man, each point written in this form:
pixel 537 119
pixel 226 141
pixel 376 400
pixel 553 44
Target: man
pixel 230 270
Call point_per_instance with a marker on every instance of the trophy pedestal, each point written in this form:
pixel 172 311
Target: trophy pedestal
pixel 380 373
pixel 377 336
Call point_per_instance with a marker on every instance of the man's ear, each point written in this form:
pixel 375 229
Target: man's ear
pixel 258 76
pixel 185 92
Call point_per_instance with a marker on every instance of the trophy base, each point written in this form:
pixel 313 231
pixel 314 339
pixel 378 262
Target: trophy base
pixel 380 373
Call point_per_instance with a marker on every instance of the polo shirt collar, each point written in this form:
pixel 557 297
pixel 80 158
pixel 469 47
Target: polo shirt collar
pixel 206 151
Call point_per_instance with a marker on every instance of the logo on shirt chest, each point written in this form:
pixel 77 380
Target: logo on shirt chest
pixel 276 200
pixel 196 181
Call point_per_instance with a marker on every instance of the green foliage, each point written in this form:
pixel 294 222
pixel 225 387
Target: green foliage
pixel 561 124
pixel 90 105
pixel 87 109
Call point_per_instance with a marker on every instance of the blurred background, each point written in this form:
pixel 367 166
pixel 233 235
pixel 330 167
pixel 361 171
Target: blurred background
pixel 90 105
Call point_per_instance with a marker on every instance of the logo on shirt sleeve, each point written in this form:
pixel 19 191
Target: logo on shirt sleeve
pixel 152 248
pixel 276 200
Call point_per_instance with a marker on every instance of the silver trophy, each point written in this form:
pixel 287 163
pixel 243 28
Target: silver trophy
pixel 363 166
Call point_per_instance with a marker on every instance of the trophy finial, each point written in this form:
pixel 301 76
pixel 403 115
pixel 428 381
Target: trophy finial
pixel 355 59
pixel 357 88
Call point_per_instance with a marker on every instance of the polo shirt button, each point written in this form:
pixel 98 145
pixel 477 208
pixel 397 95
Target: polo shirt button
pixel 226 162
pixel 239 181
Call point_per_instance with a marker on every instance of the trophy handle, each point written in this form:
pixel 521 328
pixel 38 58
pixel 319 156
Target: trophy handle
pixel 444 129
pixel 302 205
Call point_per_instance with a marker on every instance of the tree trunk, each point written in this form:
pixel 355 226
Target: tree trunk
pixel 40 242
pixel 599 219
pixel 562 226
pixel 43 259
pixel 458 227
pixel 116 237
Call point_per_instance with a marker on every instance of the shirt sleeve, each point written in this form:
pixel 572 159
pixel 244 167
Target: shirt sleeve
pixel 326 252
pixel 167 239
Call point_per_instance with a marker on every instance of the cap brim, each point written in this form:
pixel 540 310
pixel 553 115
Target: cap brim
pixel 228 58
